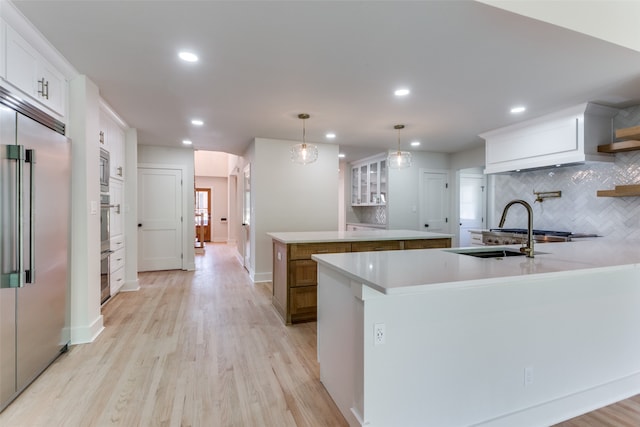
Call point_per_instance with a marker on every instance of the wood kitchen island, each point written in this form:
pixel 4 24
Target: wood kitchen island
pixel 295 273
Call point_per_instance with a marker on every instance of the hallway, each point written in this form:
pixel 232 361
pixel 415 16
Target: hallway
pixel 201 348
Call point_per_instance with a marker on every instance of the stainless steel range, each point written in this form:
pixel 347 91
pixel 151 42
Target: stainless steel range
pixel 516 236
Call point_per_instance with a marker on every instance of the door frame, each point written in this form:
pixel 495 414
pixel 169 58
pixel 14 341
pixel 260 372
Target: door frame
pixel 187 209
pixel 471 173
pixel 209 225
pixel 247 229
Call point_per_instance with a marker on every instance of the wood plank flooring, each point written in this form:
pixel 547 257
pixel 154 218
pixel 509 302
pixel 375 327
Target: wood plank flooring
pixel 201 348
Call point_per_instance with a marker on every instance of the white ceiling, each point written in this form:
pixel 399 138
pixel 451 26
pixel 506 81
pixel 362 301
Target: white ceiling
pixel 263 62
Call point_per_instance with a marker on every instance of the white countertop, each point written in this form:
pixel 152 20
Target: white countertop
pixel 398 272
pixel 353 236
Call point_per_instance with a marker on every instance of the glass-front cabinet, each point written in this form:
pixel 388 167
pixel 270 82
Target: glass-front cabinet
pixel 369 182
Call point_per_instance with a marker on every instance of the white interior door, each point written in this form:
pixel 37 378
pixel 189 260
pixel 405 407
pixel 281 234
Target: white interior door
pixel 472 205
pixel 160 219
pixel 434 201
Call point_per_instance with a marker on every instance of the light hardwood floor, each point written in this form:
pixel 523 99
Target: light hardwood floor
pixel 201 348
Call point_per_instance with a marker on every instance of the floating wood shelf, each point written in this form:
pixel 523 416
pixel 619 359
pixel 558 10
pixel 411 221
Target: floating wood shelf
pixel 628 133
pixel 631 141
pixel 621 191
pixel 618 147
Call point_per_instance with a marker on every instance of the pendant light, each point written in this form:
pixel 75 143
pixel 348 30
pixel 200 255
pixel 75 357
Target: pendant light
pixel 304 153
pixel 399 159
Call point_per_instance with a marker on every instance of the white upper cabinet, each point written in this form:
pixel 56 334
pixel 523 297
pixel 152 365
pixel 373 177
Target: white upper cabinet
pixel 369 182
pixel 28 71
pixel 3 35
pixel 568 136
pixel 112 139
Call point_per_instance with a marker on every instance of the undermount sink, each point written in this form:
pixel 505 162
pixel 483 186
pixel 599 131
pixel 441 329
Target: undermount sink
pixel 489 252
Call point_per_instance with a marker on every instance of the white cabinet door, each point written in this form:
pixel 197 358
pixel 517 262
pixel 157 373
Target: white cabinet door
pixel 116 144
pixel 21 62
pixel 116 217
pixel 3 52
pixel 54 89
pixel 103 137
pixel 113 136
pixel 28 71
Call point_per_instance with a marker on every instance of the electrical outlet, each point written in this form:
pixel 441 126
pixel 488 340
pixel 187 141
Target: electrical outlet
pixel 379 334
pixel 528 376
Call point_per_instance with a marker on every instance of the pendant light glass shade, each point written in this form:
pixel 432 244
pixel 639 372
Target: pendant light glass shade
pixel 304 153
pixel 399 159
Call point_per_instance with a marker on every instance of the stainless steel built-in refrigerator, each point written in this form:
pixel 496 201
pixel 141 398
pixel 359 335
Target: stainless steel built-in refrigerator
pixel 34 241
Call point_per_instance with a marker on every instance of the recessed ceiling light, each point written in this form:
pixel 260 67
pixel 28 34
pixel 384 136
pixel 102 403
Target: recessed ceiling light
pixel 401 92
pixel 330 135
pixel 197 122
pixel 341 155
pixel 186 142
pixel 415 143
pixel 188 56
pixel 516 110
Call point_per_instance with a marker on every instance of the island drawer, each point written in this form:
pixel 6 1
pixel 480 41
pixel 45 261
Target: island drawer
pixel 303 303
pixel 305 250
pixel 303 272
pixel 381 245
pixel 427 243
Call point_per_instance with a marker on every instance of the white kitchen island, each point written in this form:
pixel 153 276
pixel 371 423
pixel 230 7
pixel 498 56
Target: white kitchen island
pixel 470 341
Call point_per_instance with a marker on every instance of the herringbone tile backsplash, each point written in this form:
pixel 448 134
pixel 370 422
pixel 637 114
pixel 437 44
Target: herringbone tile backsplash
pixel 578 210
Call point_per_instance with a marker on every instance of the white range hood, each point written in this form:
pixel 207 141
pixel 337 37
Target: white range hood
pixel 566 137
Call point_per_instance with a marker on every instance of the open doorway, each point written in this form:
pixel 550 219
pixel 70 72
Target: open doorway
pixel 473 203
pixel 203 214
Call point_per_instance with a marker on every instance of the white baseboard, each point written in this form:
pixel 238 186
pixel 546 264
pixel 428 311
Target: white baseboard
pixel 131 286
pixel 87 334
pixel 573 405
pixel 262 277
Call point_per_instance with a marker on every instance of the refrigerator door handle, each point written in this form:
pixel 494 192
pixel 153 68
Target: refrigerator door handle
pixel 30 274
pixel 15 279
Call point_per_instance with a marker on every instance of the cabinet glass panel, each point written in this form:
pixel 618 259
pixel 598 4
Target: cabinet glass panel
pixel 383 182
pixel 374 197
pixel 363 184
pixel 355 186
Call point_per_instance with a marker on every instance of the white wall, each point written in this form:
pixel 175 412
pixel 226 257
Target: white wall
pixel 182 158
pixel 211 163
pixel 289 197
pixel 595 18
pixel 86 319
pixel 131 211
pixel 404 189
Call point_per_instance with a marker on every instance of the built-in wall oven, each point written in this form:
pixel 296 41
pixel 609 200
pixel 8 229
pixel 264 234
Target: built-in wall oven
pixel 105 248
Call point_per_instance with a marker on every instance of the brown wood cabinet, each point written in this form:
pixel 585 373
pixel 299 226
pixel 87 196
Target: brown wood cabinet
pixel 295 274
